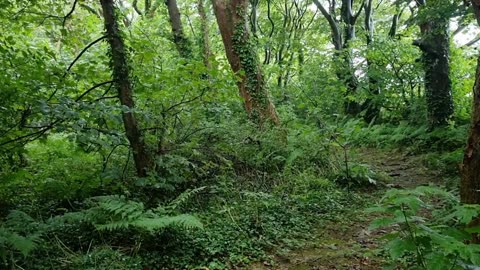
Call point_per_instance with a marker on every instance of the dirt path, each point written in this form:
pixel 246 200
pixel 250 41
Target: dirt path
pixel 405 171
pixel 349 244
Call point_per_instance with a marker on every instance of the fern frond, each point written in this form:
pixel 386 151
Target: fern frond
pixel 184 221
pixel 183 198
pixel 112 213
pixel 23 244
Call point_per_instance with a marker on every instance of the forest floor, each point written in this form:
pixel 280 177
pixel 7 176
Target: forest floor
pixel 347 243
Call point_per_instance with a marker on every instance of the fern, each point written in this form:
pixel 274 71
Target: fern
pixel 23 244
pixel 181 199
pixel 19 233
pixel 112 213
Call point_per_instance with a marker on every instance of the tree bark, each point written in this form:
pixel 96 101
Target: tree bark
pixel 470 183
pixel 121 76
pixel 241 54
pixel 205 33
pixel 434 45
pixel 182 43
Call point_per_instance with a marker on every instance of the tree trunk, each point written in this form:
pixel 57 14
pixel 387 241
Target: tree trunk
pixel 120 68
pixel 372 104
pixel 434 45
pixel 205 32
pixel 241 54
pixel 341 41
pixel 470 183
pixel 182 43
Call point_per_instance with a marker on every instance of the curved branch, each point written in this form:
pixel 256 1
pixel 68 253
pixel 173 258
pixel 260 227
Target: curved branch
pixel 91 89
pixel 355 17
pixel 135 7
pixel 82 52
pixel 336 36
pixel 69 13
pixel 90 9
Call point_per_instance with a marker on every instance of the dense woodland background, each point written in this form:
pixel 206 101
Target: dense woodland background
pixel 227 134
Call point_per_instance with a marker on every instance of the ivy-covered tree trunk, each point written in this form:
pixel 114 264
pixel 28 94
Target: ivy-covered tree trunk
pixel 241 54
pixel 182 43
pixel 204 39
pixel 470 183
pixel 434 45
pixel 120 68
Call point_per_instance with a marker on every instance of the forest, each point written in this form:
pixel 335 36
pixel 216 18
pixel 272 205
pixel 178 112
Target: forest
pixel 239 134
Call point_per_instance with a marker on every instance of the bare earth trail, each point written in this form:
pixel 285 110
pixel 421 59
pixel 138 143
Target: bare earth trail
pixel 349 244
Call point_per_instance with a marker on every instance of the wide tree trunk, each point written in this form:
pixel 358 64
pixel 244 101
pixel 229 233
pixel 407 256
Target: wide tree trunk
pixel 435 47
pixel 182 43
pixel 241 54
pixel 121 76
pixel 470 183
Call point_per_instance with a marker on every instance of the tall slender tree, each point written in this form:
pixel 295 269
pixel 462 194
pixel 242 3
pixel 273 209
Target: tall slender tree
pixel 343 32
pixel 242 55
pixel 371 105
pixel 204 38
pixel 182 43
pixel 121 76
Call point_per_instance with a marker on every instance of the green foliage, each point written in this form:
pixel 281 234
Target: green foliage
pixel 428 228
pixel 357 175
pixel 19 233
pixel 116 212
pixel 64 154
pixel 103 258
pixel 416 138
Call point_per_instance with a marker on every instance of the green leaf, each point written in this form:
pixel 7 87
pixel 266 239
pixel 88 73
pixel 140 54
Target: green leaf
pixel 381 222
pixel 398 247
pixel 437 261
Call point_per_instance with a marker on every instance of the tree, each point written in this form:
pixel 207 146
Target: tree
pixel 241 54
pixel 371 105
pixel 204 39
pixel 341 39
pixel 434 44
pixel 470 183
pixel 182 43
pixel 121 76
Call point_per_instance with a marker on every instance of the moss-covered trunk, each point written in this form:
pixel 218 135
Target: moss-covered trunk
pixel 183 45
pixel 121 76
pixel 435 47
pixel 242 56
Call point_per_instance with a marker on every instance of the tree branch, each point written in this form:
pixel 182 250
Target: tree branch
pixel 82 52
pixel 135 7
pixel 69 13
pixel 91 89
pixel 337 38
pixel 472 42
